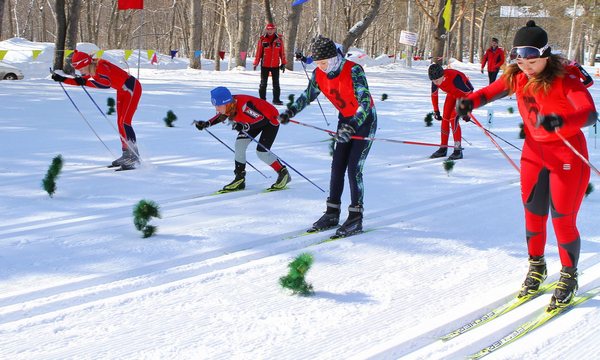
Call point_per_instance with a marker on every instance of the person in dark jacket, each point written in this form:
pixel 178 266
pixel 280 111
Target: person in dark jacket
pixel 270 54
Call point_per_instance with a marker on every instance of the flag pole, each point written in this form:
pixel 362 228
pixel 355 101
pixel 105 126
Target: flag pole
pixel 140 41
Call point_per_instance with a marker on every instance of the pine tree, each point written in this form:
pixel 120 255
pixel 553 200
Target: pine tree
pixel 295 280
pixel 428 119
pixel 291 101
pixel 170 119
pixel 49 182
pixel 589 190
pixel 522 132
pixel 384 97
pixel 510 110
pixel 143 212
pixel 110 102
pixel 448 166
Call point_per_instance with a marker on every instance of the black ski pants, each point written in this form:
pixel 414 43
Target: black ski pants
pixel 264 77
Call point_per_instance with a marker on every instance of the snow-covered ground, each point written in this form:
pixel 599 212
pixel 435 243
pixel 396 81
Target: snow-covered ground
pixel 77 281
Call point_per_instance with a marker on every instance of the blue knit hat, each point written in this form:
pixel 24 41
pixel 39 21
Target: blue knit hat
pixel 220 96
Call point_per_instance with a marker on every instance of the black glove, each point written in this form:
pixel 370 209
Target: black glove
pixel 284 117
pixel 80 81
pixel 238 126
pixel 58 78
pixel 465 118
pixel 300 56
pixel 437 116
pixel 282 68
pixel 344 133
pixel 549 122
pixel 201 125
pixel 464 106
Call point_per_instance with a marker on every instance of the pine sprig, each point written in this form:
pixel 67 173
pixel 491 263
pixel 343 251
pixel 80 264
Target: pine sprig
pixel 510 110
pixel 170 118
pixel 448 166
pixel 291 101
pixel 49 181
pixel 295 279
pixel 428 119
pixel 589 189
pixel 110 102
pixel 384 97
pixel 522 131
pixel 143 212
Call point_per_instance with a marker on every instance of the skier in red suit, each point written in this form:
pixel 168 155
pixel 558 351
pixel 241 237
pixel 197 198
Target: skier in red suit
pixel 495 58
pixel 102 74
pixel 251 116
pixel 553 177
pixel 456 85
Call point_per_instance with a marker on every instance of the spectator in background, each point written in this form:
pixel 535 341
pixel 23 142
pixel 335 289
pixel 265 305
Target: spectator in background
pixel 495 58
pixel 271 56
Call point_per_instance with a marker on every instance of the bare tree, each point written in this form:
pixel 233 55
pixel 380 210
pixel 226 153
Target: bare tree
pixel 268 12
pixel 1 16
pixel 292 32
pixel 196 37
pixel 61 33
pixel 359 28
pixel 72 27
pixel 243 35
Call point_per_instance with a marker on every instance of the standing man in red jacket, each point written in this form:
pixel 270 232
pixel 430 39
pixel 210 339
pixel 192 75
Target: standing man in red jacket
pixel 271 56
pixel 495 58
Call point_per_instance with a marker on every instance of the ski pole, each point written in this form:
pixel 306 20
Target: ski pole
pixel 495 143
pixel 129 143
pixel 318 102
pixel 280 159
pixel 576 152
pixel 356 137
pixel 499 137
pixel 84 119
pixel 233 151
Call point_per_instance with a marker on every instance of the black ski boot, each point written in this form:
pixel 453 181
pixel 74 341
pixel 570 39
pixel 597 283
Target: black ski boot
pixel 329 220
pixel 352 225
pixel 283 178
pixel 118 162
pixel 565 289
pixel 441 152
pixel 456 155
pixel 239 182
pixel 277 102
pixel 535 276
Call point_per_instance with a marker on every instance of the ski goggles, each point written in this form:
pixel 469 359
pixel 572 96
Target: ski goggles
pixel 527 53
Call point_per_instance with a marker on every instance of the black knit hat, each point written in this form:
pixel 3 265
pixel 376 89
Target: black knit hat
pixel 435 71
pixel 532 35
pixel 323 48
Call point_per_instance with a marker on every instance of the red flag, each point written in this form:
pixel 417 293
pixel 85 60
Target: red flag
pixel 154 59
pixel 222 54
pixel 130 4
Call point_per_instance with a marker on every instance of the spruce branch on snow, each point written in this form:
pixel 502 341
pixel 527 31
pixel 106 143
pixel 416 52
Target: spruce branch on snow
pixel 110 102
pixel 522 131
pixel 428 119
pixel 384 97
pixel 291 99
pixel 49 182
pixel 589 190
pixel 143 212
pixel 448 166
pixel 510 110
pixel 170 118
pixel 295 279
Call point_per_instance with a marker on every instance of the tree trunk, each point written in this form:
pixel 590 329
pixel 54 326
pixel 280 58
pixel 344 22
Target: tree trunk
pixel 359 28
pixel 61 34
pixel 459 40
pixel 481 46
pixel 218 41
pixel 594 52
pixel 71 37
pixel 1 16
pixel 196 34
pixel 11 27
pixel 292 33
pixel 472 33
pixel 243 35
pixel 439 34
pixel 268 12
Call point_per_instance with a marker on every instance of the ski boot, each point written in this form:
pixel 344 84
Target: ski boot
pixel 130 159
pixel 565 289
pixel 535 276
pixel 283 178
pixel 352 225
pixel 277 102
pixel 441 152
pixel 239 182
pixel 456 155
pixel 119 161
pixel 329 220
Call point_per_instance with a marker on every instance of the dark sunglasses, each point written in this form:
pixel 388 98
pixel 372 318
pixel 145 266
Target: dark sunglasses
pixel 526 52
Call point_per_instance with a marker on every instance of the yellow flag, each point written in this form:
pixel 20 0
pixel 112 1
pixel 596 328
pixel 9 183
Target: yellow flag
pixel 68 52
pixel 36 53
pixel 2 54
pixel 128 54
pixel 447 15
pixel 99 54
pixel 150 53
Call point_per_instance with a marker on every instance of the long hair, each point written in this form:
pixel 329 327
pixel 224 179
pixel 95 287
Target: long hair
pixel 542 82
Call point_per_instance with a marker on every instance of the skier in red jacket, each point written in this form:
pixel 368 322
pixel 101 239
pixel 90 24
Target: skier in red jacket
pixel 270 54
pixel 252 116
pixel 495 58
pixel 456 85
pixel 102 74
pixel 550 100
